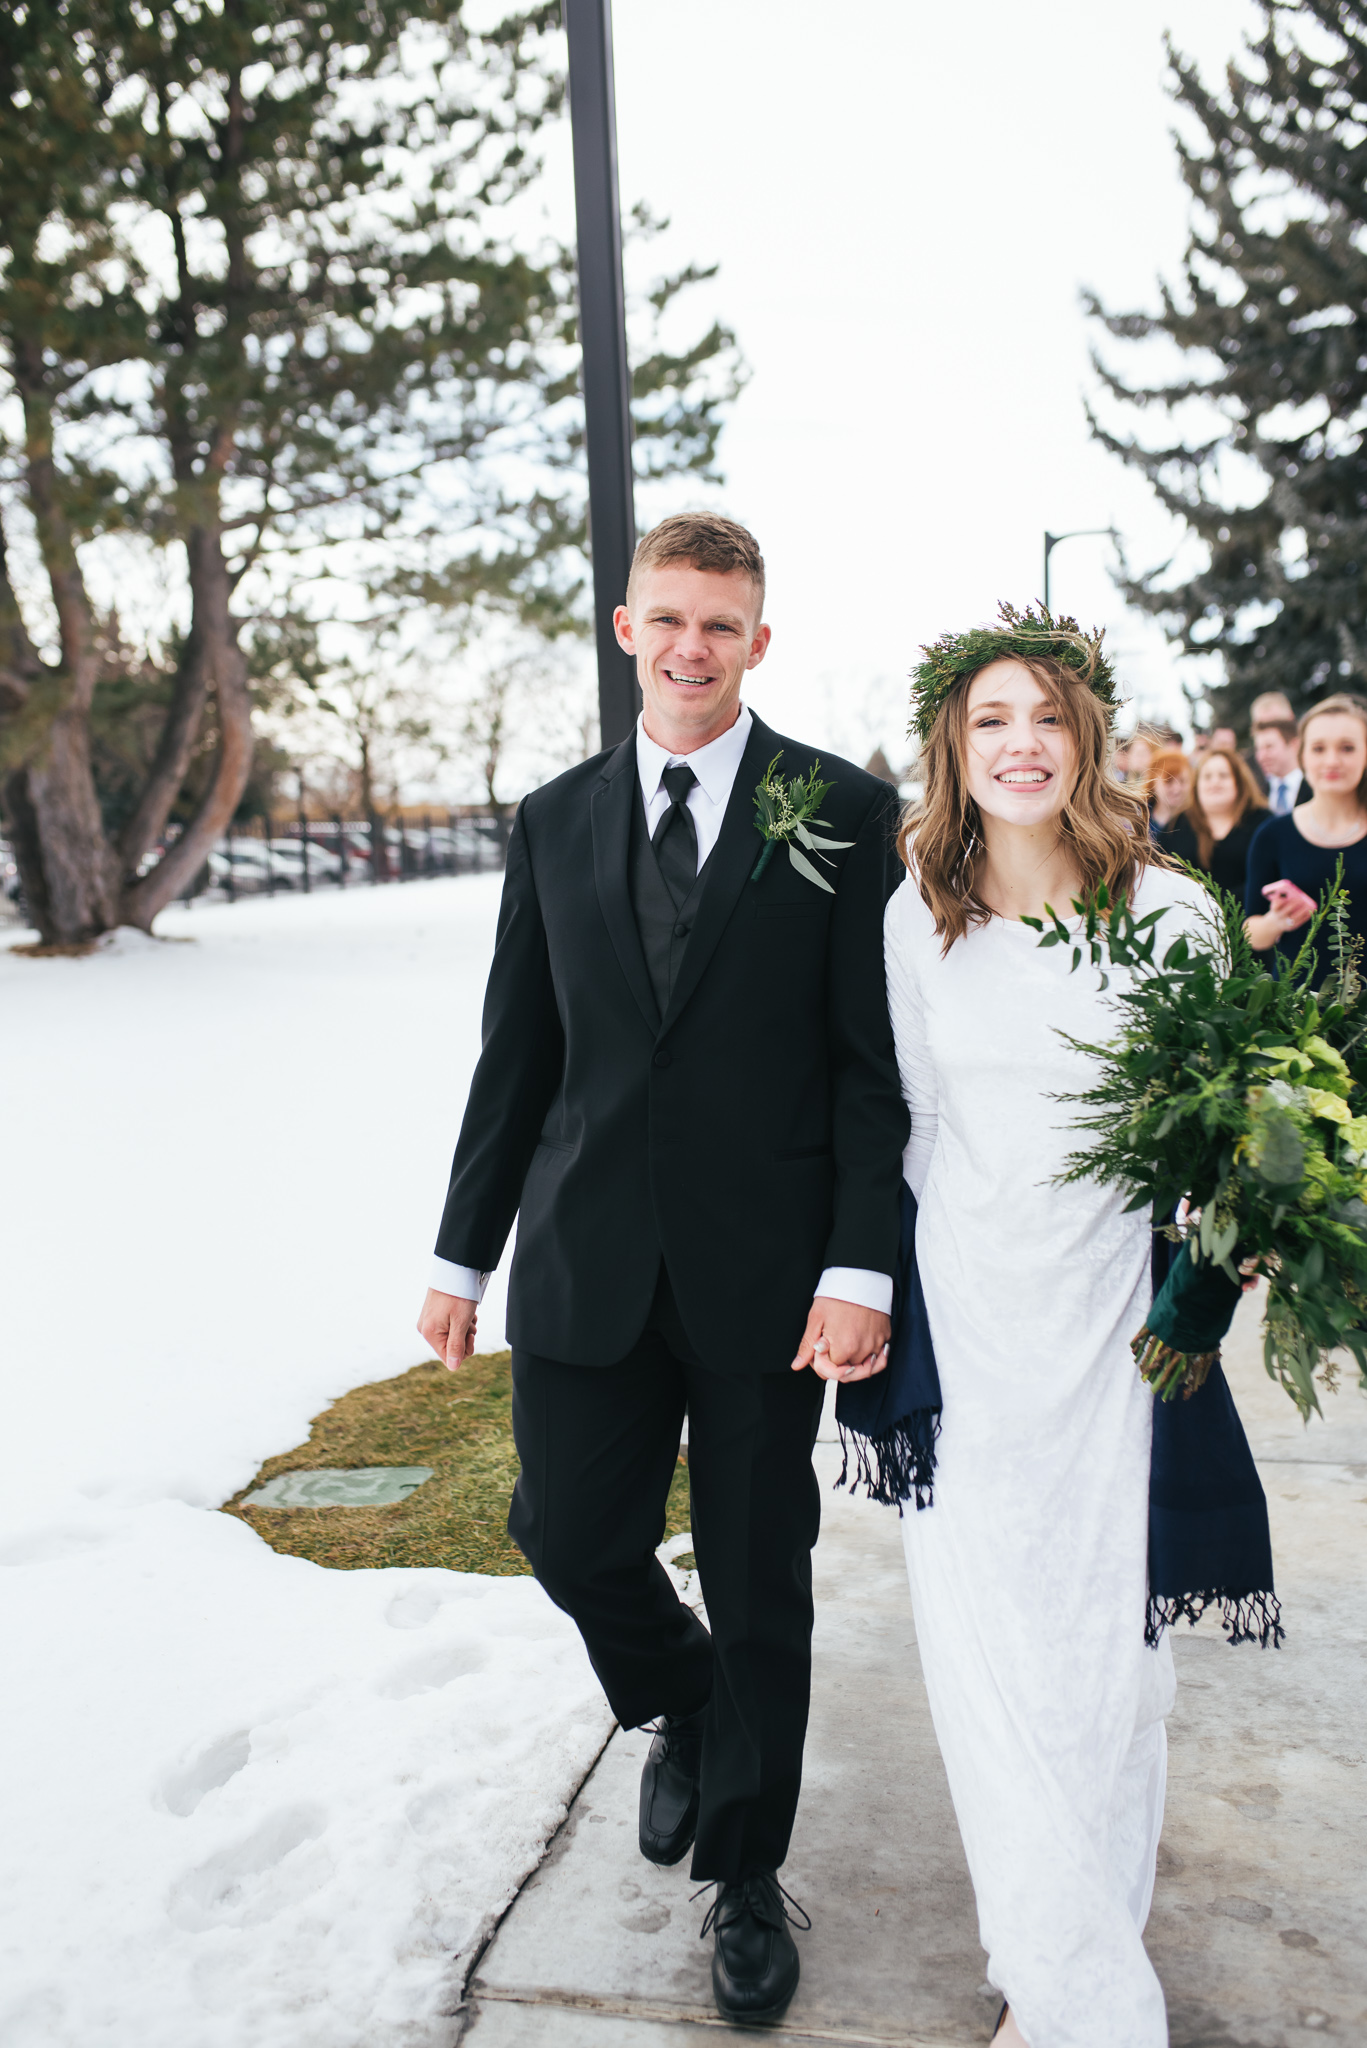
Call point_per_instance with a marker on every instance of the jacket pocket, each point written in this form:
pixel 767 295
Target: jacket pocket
pixel 555 1144
pixel 802 1152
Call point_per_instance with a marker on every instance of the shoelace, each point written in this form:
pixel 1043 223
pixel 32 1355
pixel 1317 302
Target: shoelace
pixel 757 1896
pixel 662 1727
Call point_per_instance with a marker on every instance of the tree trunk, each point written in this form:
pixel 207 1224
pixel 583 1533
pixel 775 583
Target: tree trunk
pixel 67 870
pixel 218 660
pixel 69 877
pixel 379 849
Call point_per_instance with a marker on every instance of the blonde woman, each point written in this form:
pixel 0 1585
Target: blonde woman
pixel 1293 858
pixel 1028 1572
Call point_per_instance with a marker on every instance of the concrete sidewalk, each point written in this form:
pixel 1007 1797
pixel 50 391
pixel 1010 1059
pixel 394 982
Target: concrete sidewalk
pixel 1259 1927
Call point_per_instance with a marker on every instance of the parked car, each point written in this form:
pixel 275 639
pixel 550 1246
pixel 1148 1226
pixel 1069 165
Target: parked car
pixel 323 863
pixel 252 866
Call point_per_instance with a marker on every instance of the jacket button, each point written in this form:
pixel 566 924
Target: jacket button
pixel 663 1057
pixel 681 931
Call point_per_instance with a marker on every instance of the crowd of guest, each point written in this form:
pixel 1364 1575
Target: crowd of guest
pixel 1272 828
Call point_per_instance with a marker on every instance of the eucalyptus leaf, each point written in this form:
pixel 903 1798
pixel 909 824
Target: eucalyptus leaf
pixel 1280 1157
pixel 804 867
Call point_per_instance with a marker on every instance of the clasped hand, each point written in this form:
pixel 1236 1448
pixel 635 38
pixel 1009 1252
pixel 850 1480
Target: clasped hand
pixel 843 1341
pixel 1288 905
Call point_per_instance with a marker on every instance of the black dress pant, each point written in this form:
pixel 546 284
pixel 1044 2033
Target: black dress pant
pixel 599 1447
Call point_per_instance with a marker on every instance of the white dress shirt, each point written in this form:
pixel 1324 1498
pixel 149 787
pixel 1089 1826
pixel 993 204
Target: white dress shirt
pixel 715 767
pixel 1278 804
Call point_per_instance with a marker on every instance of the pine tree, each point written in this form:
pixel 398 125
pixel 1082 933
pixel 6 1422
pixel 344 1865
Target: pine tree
pixel 268 303
pixel 1274 314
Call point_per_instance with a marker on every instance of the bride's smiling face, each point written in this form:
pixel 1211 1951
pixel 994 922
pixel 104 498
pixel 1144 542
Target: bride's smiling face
pixel 1020 760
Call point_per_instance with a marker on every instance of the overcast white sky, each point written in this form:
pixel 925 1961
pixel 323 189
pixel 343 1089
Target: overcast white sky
pixel 905 200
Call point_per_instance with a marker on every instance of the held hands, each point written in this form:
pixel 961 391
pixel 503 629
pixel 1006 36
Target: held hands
pixel 843 1341
pixel 448 1323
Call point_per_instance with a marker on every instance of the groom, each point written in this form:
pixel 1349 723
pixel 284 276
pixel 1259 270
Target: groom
pixel 688 1096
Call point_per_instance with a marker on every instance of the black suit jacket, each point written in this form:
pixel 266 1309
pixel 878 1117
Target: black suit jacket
pixel 752 1135
pixel 1303 794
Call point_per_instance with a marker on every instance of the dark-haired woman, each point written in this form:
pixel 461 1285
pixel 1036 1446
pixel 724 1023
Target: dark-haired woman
pixel 1225 812
pixel 1029 1571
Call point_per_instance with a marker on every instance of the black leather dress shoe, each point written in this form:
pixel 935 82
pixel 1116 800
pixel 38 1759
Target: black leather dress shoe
pixel 755 1964
pixel 669 1788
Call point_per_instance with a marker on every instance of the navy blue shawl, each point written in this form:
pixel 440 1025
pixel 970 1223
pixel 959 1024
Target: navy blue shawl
pixel 1209 1543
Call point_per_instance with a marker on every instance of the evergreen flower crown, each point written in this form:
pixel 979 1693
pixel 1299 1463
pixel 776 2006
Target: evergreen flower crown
pixel 1026 635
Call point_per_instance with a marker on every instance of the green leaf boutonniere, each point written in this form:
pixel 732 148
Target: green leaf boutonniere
pixel 786 811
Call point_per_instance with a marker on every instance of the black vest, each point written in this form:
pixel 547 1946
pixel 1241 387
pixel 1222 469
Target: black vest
pixel 664 930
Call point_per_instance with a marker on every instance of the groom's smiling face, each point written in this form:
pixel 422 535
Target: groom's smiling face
pixel 694 633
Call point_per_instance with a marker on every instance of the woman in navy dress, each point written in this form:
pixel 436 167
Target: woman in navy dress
pixel 1293 858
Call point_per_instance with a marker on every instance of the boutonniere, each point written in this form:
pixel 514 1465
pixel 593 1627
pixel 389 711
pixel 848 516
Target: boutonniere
pixel 786 811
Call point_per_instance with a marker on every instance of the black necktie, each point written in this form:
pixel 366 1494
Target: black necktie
pixel 676 841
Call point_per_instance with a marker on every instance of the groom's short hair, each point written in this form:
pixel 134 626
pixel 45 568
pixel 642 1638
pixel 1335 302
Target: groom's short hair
pixel 706 541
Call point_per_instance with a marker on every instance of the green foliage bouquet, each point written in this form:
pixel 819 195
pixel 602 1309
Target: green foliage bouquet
pixel 1238 1100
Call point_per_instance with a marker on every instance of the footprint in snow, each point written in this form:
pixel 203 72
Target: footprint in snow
pixel 274 1867
pixel 436 1667
pixel 182 1789
pixel 414 1607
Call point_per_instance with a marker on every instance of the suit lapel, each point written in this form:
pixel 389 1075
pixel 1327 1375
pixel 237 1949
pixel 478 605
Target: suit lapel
pixel 610 818
pixel 729 868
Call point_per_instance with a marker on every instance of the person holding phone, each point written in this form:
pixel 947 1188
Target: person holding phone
pixel 1293 858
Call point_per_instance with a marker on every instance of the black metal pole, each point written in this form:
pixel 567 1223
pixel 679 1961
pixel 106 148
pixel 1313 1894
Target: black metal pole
pixel 1051 541
pixel 603 339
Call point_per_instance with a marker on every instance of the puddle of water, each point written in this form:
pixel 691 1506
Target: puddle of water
pixel 367 1486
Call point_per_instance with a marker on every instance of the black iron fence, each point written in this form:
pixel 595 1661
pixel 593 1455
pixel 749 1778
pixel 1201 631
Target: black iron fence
pixel 269 856
pixel 339 853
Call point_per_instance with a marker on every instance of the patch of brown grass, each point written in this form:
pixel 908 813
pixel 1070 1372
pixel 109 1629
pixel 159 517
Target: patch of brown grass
pixel 72 949
pixel 458 1423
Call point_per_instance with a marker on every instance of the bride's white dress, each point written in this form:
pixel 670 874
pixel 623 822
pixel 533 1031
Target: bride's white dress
pixel 1028 1573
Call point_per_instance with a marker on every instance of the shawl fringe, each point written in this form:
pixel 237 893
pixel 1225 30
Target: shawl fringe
pixel 898 1464
pixel 1244 1617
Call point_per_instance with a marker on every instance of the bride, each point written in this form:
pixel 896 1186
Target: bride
pixel 1028 1573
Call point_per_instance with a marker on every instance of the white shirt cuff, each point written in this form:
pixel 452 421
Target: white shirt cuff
pixel 465 1281
pixel 852 1283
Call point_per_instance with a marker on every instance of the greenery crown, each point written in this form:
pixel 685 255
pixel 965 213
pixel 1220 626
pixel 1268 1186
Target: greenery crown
pixel 1027 635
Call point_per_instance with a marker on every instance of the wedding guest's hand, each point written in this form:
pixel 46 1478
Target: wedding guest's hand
pixel 448 1323
pixel 843 1341
pixel 1290 906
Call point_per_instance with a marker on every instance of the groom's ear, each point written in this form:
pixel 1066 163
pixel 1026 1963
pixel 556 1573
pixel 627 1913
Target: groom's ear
pixel 621 626
pixel 759 646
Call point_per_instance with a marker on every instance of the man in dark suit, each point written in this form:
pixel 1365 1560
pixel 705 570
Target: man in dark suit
pixel 688 1096
pixel 1276 754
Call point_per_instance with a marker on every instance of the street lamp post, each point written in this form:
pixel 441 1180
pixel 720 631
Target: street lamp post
pixel 1051 541
pixel 603 341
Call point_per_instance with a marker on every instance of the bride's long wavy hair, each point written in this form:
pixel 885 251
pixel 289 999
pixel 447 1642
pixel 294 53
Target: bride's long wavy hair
pixel 1106 825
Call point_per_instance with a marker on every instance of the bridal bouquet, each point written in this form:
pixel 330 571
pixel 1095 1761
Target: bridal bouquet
pixel 1235 1101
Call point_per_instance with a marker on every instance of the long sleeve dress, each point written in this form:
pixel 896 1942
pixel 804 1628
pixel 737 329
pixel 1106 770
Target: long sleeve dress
pixel 1028 1573
pixel 1281 853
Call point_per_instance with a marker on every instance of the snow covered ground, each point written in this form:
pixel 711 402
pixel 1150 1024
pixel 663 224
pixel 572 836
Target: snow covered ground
pixel 246 1800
